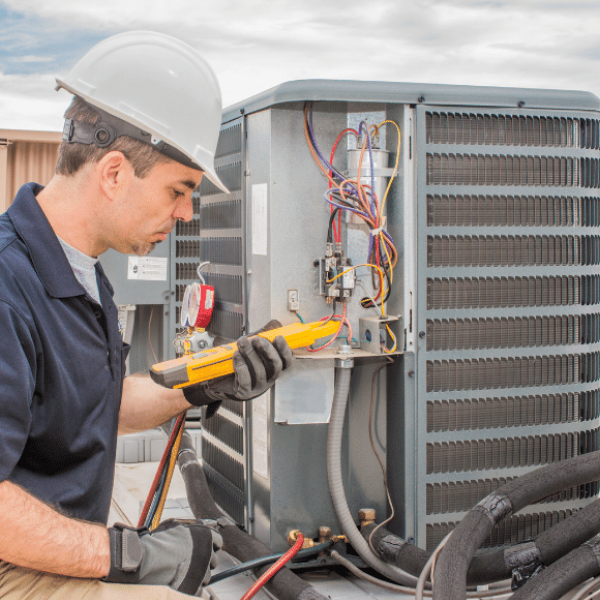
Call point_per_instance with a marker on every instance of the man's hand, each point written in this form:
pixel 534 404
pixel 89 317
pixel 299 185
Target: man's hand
pixel 257 363
pixel 178 553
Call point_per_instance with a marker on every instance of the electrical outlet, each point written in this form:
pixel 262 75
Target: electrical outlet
pixel 293 301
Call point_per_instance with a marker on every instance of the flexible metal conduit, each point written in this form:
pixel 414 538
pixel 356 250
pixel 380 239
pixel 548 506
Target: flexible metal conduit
pixel 336 485
pixel 285 585
pixel 454 560
pixel 548 547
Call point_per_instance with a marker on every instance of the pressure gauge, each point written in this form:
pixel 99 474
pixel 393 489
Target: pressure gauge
pixel 197 306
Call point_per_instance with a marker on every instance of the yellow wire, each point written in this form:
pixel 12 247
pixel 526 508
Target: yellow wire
pixel 397 159
pixel 380 277
pixel 388 257
pixel 393 349
pixel 172 461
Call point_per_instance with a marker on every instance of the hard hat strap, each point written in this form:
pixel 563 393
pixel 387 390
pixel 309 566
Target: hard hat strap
pixel 109 128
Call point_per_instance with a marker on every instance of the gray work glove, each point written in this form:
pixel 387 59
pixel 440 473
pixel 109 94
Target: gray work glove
pixel 178 553
pixel 256 364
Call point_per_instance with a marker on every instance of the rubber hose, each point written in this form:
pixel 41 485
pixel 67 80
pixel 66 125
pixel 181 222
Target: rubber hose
pixel 455 558
pixel 336 485
pixel 485 568
pixel 562 576
pixel 285 585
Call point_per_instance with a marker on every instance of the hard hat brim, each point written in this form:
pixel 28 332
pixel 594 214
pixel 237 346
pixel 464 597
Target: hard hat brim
pixel 144 122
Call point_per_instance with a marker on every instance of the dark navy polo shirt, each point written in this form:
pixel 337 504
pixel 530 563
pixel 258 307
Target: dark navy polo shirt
pixel 61 369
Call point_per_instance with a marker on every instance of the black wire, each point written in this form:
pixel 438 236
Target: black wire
pixel 366 302
pixel 330 228
pixel 267 560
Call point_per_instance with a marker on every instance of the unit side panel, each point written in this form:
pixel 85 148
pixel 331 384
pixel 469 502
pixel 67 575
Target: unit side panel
pixel 508 361
pixel 216 235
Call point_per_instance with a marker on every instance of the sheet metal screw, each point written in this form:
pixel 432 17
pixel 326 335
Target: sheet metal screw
pixel 411 373
pixel 421 334
pixel 521 104
pixel 421 99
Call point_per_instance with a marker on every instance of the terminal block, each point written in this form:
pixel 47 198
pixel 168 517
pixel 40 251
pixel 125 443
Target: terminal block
pixel 335 281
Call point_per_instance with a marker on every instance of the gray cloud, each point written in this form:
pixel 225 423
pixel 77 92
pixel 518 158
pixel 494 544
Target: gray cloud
pixel 253 46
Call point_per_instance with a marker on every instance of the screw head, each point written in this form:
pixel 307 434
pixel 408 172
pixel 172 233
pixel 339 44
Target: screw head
pixel 411 373
pixel 421 99
pixel 421 334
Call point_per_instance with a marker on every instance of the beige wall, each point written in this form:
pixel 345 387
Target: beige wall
pixel 25 156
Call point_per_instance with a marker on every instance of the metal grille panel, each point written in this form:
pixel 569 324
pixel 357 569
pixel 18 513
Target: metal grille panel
pixel 511 332
pixel 460 496
pixel 502 373
pixel 224 251
pixel 451 210
pixel 535 356
pixel 512 251
pixel 221 215
pixel 231 502
pixel 222 463
pixel 511 411
pixel 501 453
pixel 226 431
pixel 509 170
pixel 504 130
pixel 514 530
pixel 227 324
pixel 511 292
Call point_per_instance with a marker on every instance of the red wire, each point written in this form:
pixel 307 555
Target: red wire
pixel 338 236
pixel 339 329
pixel 273 569
pixel 159 471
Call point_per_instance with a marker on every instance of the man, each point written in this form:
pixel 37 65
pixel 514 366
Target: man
pixel 139 136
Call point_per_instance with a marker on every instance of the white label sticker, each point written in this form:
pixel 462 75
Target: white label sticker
pixel 259 219
pixel 147 268
pixel 260 435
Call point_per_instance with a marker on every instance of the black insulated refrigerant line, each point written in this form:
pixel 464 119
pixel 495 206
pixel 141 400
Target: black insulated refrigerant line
pixel 285 585
pixel 548 547
pixel 554 582
pixel 455 558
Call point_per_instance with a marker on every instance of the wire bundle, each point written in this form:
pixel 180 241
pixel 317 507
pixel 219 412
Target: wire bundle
pixel 157 496
pixel 358 198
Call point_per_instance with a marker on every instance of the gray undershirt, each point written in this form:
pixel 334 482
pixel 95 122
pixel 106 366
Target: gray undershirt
pixel 84 269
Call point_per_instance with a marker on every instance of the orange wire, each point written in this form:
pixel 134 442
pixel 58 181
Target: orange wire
pixel 271 571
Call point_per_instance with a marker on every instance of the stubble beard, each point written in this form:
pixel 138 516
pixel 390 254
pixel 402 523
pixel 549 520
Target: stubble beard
pixel 144 249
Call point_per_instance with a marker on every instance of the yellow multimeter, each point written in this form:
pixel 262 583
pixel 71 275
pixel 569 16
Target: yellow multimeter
pixel 218 362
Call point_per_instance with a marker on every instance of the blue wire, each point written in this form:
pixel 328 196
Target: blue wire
pixel 301 319
pixel 155 500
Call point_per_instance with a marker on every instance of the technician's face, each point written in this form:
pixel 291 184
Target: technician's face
pixel 153 205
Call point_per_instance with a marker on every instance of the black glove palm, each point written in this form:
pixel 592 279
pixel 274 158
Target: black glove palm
pixel 256 363
pixel 179 554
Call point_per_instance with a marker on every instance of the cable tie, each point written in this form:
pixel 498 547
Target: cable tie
pixel 496 507
pixel 376 231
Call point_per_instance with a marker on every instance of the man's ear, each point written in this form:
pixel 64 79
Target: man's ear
pixel 113 171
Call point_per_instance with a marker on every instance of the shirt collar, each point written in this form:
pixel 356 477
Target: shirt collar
pixel 49 260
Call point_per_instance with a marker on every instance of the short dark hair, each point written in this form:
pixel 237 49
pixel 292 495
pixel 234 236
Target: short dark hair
pixel 72 156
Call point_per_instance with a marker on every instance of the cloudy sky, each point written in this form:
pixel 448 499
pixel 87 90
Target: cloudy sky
pixel 254 45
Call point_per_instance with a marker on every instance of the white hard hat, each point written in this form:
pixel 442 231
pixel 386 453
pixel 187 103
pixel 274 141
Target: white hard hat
pixel 158 84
